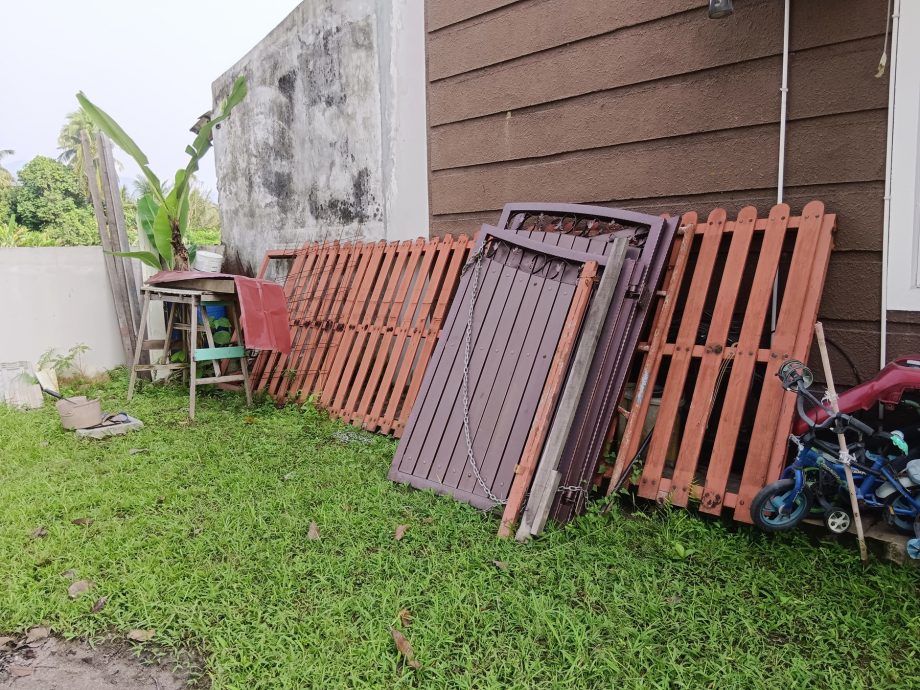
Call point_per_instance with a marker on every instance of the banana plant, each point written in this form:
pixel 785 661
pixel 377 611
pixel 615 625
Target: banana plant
pixel 162 215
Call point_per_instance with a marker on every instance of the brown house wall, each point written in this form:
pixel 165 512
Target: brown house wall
pixel 654 107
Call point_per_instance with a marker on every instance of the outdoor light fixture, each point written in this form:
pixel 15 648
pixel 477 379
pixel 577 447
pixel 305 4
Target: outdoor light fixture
pixel 720 8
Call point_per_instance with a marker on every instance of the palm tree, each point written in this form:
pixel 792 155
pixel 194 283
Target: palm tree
pixel 69 142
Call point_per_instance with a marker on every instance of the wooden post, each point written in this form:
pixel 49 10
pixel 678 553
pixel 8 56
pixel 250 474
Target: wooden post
pixel 119 292
pixel 842 441
pixel 116 215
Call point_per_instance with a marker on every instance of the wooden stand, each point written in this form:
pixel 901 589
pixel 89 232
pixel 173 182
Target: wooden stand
pixel 184 307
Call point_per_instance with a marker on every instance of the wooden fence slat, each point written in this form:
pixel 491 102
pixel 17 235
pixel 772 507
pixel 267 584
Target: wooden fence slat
pixel 712 363
pixel 380 338
pixel 739 380
pixel 632 434
pixel 546 407
pixel 680 361
pixel 298 318
pixel 795 294
pixel 405 314
pixel 419 330
pixel 445 293
pixel 353 308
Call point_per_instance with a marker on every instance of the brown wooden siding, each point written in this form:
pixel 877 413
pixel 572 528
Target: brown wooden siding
pixel 653 107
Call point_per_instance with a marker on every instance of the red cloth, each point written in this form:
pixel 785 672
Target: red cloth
pixel 263 307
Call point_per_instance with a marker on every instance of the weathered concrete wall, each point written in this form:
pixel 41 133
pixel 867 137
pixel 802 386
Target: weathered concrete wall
pixel 55 298
pixel 313 152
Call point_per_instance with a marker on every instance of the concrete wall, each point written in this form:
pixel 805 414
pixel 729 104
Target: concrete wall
pixel 55 298
pixel 330 142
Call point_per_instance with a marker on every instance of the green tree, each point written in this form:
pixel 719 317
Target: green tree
pixel 47 192
pixel 70 146
pixel 6 185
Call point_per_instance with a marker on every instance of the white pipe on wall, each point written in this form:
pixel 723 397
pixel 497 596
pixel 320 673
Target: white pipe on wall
pixel 889 147
pixel 784 91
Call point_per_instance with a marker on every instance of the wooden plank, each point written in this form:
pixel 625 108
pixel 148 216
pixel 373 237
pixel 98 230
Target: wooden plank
pixel 680 362
pixel 121 233
pixel 206 354
pixel 323 320
pixel 332 327
pixel 445 293
pixel 316 260
pixel 498 313
pixel 319 302
pixel 353 308
pixel 540 500
pixel 713 358
pixel 358 365
pixel 546 407
pixel 629 444
pixel 402 326
pixel 420 331
pixel 266 361
pixel 739 381
pixel 443 423
pixel 126 330
pixel 766 425
pixel 380 332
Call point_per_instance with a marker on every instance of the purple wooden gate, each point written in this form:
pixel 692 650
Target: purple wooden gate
pixel 525 291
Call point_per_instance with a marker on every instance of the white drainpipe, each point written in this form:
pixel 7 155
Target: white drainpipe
pixel 886 225
pixel 784 91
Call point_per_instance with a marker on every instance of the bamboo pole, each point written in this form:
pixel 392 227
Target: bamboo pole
pixel 841 440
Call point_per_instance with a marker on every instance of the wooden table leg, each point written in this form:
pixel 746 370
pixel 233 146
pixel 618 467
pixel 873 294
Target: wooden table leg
pixel 139 345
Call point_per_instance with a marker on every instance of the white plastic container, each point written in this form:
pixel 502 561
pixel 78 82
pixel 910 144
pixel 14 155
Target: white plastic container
pixel 209 262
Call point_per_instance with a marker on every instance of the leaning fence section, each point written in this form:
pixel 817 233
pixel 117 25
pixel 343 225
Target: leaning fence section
pixel 364 318
pixel 743 297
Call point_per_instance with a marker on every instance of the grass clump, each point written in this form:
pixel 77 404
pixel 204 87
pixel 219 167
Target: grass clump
pixel 204 538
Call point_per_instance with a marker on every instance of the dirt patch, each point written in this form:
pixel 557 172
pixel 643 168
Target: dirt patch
pixel 55 664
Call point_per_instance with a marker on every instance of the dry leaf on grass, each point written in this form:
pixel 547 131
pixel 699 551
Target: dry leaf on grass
pixel 501 565
pixel 141 635
pixel 400 532
pixel 69 574
pixel 20 671
pixel 313 533
pixel 83 522
pixel 405 616
pixel 39 532
pixel 8 642
pixel 402 644
pixel 39 632
pixel 99 605
pixel 78 587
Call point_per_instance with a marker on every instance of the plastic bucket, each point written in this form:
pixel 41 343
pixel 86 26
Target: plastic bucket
pixel 79 412
pixel 209 262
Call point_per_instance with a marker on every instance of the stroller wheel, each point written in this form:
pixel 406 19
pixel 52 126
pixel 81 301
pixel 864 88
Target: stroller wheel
pixel 837 520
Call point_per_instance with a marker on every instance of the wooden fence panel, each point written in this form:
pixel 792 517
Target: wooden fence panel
pixel 364 320
pixel 796 249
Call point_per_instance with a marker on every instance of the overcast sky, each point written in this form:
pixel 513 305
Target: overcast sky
pixel 148 64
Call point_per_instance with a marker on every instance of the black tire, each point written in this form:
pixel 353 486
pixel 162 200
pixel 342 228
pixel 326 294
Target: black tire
pixel 762 507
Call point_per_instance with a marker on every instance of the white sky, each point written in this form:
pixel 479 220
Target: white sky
pixel 148 64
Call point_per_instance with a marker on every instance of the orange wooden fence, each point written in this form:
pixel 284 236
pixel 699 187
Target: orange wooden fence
pixel 712 347
pixel 364 321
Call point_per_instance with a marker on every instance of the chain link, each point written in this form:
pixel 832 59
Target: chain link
pixel 476 262
pixel 471 459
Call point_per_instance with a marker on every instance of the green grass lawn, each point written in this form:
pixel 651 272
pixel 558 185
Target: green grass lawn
pixel 203 538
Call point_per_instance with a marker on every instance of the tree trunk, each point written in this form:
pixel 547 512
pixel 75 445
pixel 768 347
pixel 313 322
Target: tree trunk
pixel 180 252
